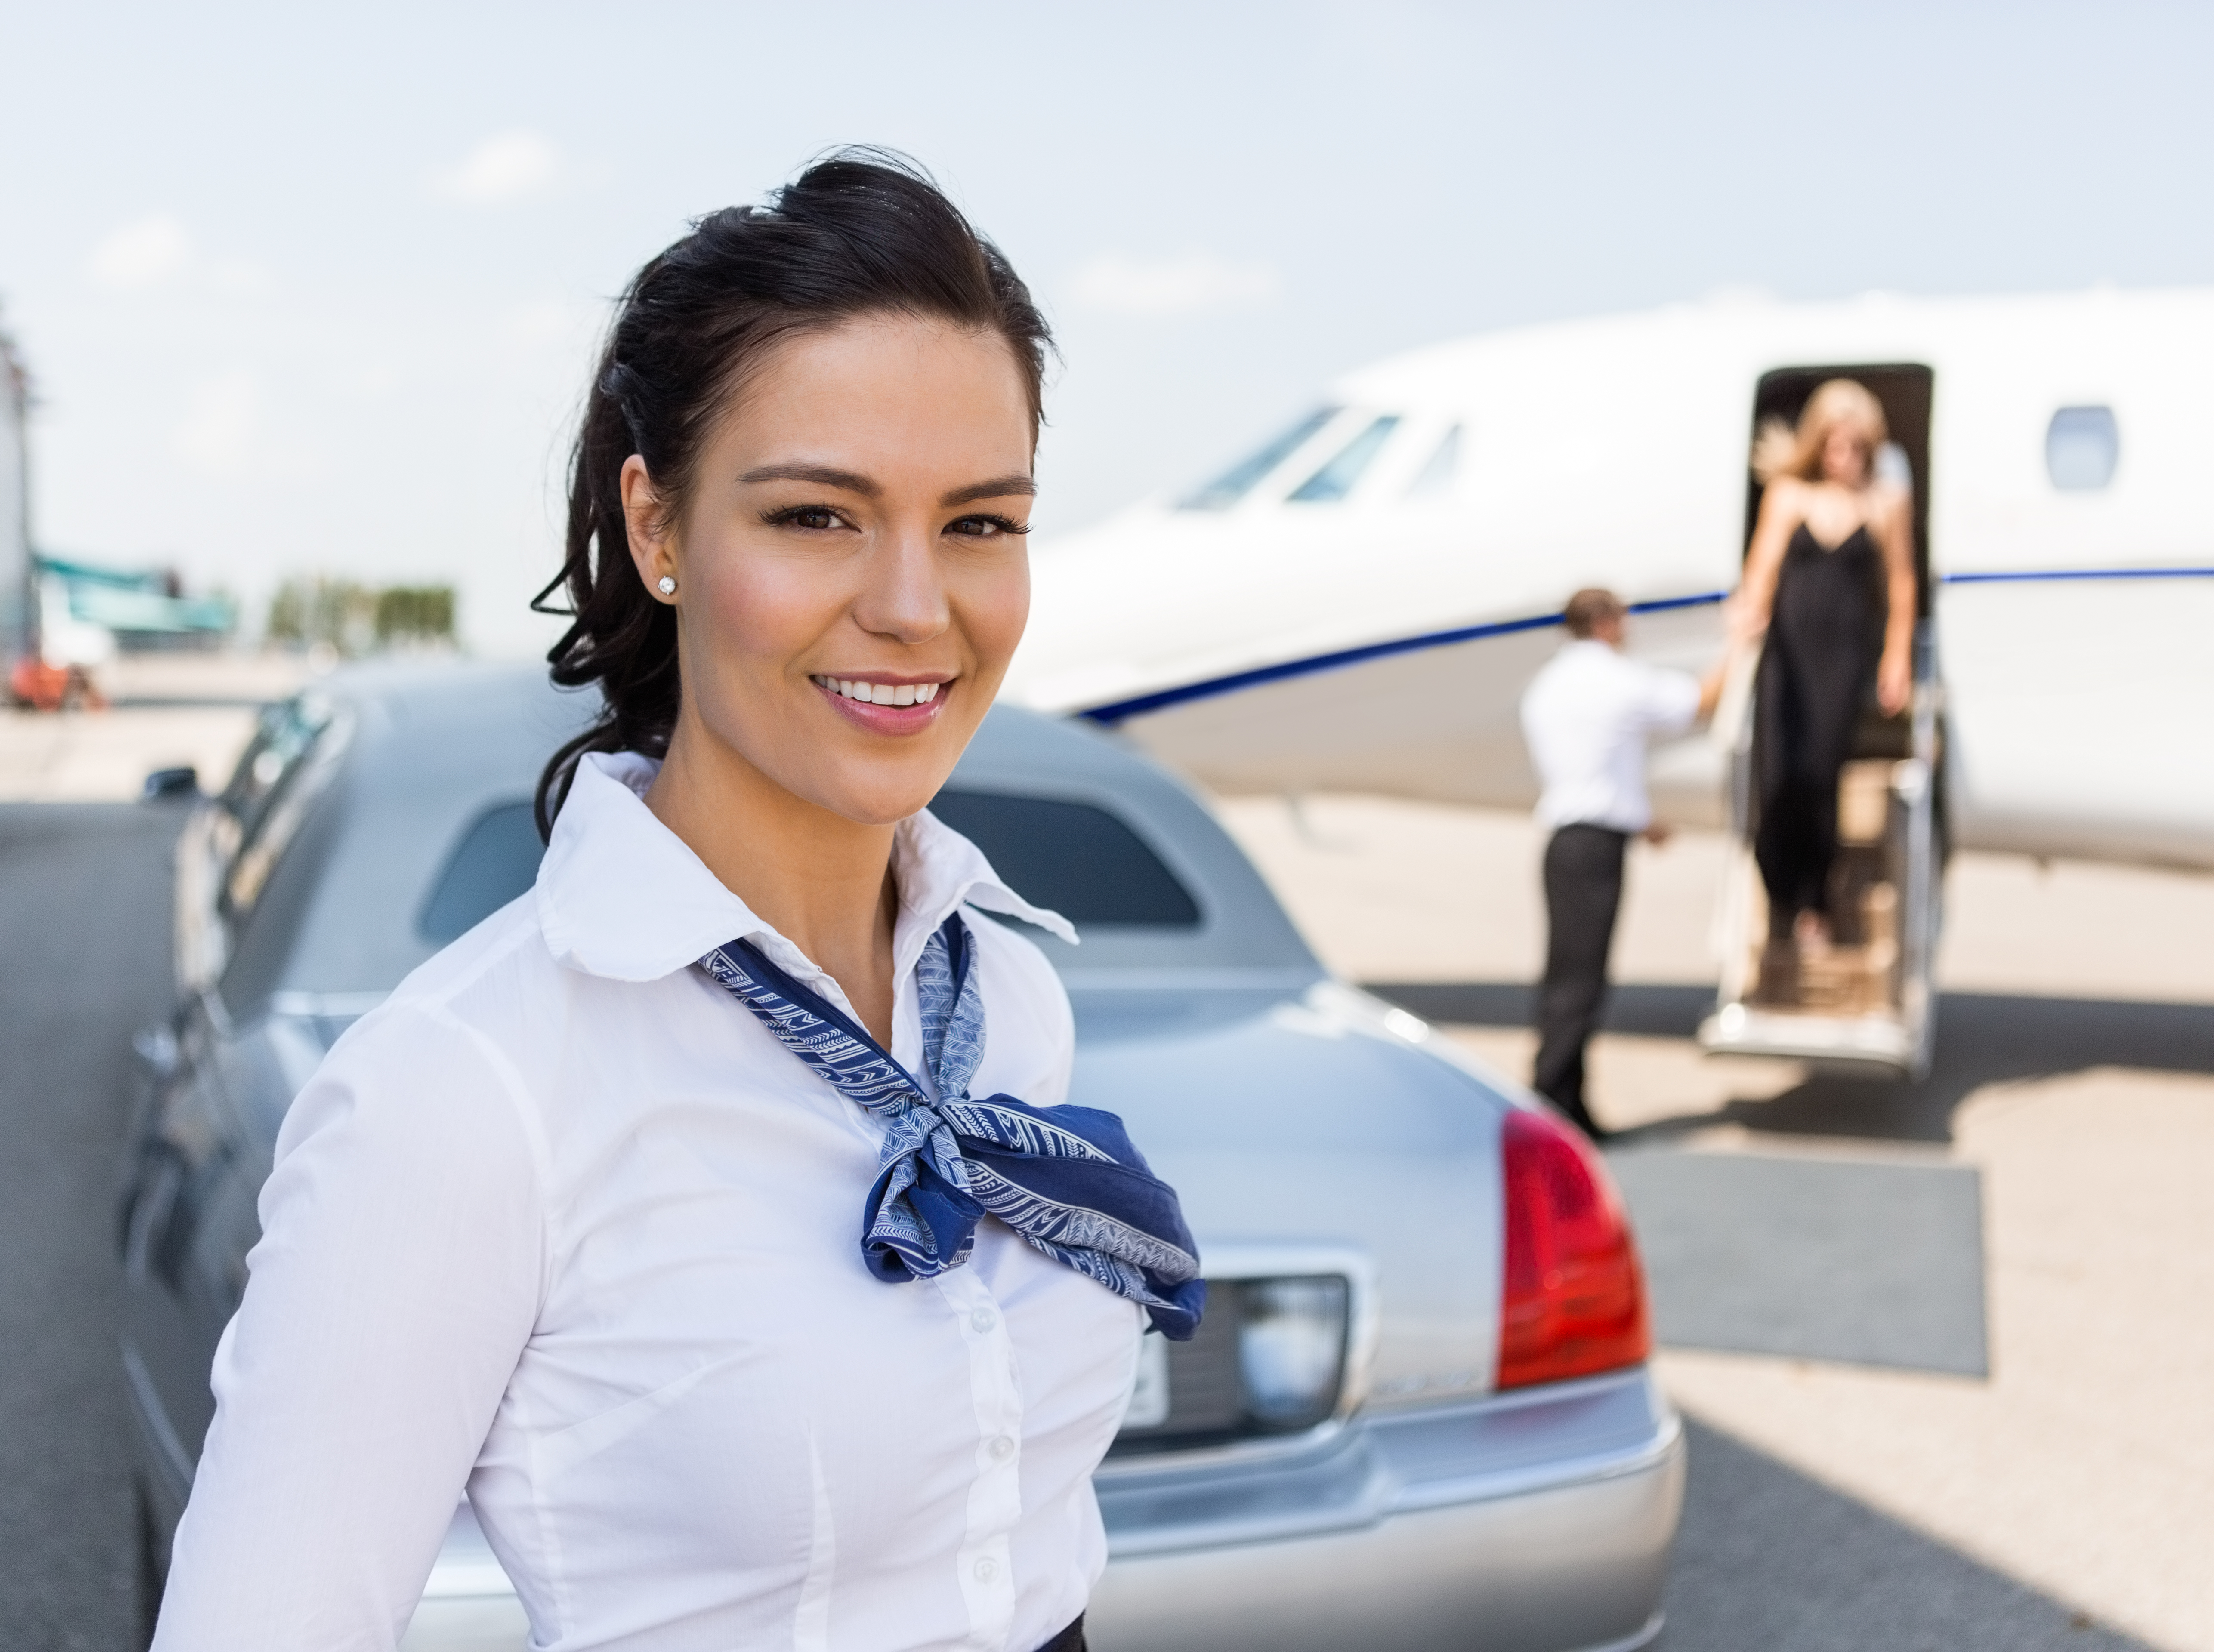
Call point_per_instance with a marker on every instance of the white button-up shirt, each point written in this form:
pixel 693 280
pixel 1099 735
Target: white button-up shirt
pixel 1588 716
pixel 561 1222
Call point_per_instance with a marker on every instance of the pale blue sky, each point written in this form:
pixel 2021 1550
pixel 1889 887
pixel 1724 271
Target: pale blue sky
pixel 316 289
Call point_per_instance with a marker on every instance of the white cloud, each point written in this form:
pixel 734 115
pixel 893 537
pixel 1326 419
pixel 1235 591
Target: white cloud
pixel 223 428
pixel 1184 285
pixel 148 253
pixel 158 251
pixel 512 166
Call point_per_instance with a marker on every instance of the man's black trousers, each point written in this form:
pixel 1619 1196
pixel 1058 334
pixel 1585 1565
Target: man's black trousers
pixel 1583 892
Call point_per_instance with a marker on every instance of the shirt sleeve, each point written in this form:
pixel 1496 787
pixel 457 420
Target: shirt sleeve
pixel 400 1272
pixel 1671 702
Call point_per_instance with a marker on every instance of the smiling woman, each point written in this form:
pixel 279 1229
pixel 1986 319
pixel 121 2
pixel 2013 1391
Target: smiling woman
pixel 569 1221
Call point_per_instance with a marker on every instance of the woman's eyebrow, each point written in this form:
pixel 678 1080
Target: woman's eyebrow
pixel 1000 487
pixel 828 475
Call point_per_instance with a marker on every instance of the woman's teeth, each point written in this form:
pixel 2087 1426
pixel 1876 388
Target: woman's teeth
pixel 882 693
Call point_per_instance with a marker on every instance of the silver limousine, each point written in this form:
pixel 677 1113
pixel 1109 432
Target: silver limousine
pixel 1418 1414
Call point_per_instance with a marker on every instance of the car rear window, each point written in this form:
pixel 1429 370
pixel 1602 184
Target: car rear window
pixel 496 860
pixel 1076 858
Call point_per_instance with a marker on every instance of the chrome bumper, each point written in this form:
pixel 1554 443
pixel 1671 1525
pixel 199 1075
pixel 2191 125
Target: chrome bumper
pixel 1536 1522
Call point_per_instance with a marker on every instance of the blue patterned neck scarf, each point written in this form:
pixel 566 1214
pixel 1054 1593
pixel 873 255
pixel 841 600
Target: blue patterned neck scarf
pixel 1066 1179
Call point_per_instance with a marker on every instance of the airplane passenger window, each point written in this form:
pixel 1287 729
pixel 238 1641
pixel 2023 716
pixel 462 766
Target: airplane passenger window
pixel 2081 447
pixel 1234 483
pixel 1335 479
pixel 1437 475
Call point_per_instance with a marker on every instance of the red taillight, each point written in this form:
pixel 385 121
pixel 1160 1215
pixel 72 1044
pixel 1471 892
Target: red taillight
pixel 1573 1302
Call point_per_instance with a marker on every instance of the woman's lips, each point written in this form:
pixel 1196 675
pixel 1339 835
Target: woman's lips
pixel 885 706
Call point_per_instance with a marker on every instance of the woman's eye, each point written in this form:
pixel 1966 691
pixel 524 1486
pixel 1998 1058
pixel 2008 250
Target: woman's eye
pixel 984 527
pixel 816 518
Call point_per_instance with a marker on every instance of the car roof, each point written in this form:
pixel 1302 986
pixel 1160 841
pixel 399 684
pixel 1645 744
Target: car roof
pixel 431 748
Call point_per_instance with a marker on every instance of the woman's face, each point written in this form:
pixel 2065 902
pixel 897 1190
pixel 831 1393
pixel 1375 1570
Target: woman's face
pixel 851 574
pixel 1848 452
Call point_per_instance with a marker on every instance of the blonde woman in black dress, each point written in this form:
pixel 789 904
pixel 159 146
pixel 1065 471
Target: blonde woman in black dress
pixel 1830 576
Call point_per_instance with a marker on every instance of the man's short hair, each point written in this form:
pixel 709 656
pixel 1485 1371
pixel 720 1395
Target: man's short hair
pixel 1588 606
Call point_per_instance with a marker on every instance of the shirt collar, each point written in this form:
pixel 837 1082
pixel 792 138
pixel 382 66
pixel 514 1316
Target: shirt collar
pixel 620 895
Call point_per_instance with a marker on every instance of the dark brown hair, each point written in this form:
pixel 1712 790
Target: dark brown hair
pixel 862 232
pixel 1587 608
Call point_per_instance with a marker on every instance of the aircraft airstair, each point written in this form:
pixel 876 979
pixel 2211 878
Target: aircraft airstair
pixel 1863 1003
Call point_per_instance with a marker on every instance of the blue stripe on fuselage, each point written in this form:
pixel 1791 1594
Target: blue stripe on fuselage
pixel 1115 711
pixel 1310 667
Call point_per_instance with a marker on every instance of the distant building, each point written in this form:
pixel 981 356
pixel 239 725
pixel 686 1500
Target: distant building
pixel 62 622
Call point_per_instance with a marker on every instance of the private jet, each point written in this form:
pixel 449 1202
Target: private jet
pixel 1358 604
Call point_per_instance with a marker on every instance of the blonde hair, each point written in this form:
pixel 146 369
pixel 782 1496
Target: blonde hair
pixel 1781 450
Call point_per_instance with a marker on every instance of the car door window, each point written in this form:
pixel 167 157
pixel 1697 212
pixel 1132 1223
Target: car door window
pixel 233 843
pixel 294 753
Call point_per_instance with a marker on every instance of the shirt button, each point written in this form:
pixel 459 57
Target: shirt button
pixel 1002 1448
pixel 986 1570
pixel 983 1319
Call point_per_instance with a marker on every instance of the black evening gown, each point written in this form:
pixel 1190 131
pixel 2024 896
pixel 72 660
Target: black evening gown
pixel 1825 633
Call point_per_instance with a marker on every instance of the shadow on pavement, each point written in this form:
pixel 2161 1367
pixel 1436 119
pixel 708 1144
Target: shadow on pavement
pixel 84 929
pixel 1771 1561
pixel 1812 1258
pixel 1982 1039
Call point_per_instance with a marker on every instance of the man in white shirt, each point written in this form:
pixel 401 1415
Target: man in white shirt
pixel 1587 717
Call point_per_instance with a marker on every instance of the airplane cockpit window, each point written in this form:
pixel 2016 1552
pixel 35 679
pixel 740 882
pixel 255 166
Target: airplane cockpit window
pixel 1437 474
pixel 1234 483
pixel 2082 445
pixel 1335 479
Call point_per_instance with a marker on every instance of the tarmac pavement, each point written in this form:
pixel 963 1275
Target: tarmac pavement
pixel 1770 1558
pixel 168 711
pixel 84 928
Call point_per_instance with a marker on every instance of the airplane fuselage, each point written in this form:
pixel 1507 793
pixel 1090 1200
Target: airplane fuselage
pixel 1363 613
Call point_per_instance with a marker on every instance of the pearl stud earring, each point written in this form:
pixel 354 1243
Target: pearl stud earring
pixel 666 585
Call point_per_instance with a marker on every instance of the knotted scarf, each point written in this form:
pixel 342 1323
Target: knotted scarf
pixel 1066 1179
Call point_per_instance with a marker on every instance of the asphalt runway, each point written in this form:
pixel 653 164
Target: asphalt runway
pixel 84 928
pixel 1769 1561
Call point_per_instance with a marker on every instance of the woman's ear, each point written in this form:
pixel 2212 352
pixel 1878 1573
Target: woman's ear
pixel 653 548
